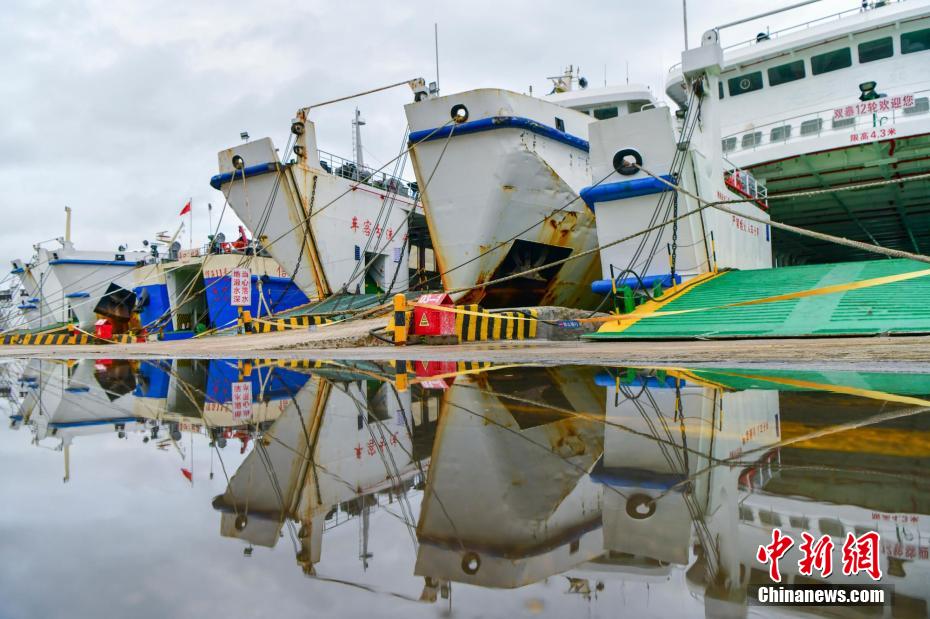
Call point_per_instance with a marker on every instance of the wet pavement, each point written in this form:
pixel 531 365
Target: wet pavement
pixel 262 488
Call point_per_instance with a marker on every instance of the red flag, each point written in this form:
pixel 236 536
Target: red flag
pixel 186 209
pixel 188 475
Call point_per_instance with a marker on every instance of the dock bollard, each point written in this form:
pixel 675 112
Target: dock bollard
pixel 400 320
pixel 245 320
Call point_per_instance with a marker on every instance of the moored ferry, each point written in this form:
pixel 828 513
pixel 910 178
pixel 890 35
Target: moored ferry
pixel 500 174
pixel 837 101
pixel 335 225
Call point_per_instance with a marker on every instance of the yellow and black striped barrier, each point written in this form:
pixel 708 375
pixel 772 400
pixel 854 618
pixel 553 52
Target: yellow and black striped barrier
pixel 45 339
pixel 472 324
pixel 264 325
pixel 246 366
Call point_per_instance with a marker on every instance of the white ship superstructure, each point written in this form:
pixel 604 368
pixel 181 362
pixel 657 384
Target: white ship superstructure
pixel 838 101
pixel 499 176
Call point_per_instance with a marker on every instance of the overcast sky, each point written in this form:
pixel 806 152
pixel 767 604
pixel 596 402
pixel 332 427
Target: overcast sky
pixel 119 108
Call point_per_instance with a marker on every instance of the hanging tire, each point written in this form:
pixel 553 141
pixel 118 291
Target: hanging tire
pixel 624 168
pixel 640 506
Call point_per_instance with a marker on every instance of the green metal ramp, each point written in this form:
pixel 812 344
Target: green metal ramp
pixel 898 307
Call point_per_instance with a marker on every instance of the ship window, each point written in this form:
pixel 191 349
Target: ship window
pixel 720 89
pixel 786 73
pixel 876 50
pixel 605 112
pixel 752 139
pixel 921 106
pixel 917 41
pixel 729 144
pixel 769 518
pixel 560 124
pixel 799 522
pixel 780 134
pixel 831 61
pixel 745 83
pixel 811 126
pixel 844 122
pixel 831 527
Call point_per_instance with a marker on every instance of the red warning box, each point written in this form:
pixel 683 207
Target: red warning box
pixel 432 321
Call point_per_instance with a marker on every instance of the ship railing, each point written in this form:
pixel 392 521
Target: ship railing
pixel 745 184
pixel 341 513
pixel 866 127
pixel 346 168
pixel 224 247
pixel 769 36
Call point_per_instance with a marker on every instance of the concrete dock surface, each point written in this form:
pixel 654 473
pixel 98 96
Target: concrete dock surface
pixel 352 340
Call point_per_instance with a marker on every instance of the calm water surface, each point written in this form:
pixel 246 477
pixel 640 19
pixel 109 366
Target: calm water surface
pixel 196 488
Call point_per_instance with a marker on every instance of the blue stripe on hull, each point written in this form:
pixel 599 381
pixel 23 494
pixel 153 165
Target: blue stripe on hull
pixel 607 192
pixel 99 263
pixel 499 122
pixel 258 169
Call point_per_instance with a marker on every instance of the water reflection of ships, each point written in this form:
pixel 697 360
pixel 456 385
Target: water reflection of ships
pixel 677 486
pixel 160 400
pixel 347 445
pixel 622 480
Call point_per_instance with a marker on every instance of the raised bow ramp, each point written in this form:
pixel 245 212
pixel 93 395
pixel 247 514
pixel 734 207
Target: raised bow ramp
pixel 897 307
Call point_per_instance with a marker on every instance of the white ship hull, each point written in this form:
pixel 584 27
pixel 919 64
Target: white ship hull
pixel 353 223
pixel 45 303
pixel 87 277
pixel 512 182
pixel 626 204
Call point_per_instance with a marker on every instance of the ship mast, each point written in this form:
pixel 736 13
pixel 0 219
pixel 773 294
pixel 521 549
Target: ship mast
pixel 357 139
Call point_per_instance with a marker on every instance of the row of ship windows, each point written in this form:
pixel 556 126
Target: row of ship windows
pixel 827 526
pixel 812 126
pixel 869 51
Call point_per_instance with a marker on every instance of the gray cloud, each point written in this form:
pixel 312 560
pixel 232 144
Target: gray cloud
pixel 118 109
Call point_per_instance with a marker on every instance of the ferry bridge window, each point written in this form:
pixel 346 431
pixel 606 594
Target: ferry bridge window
pixel 917 41
pixel 809 127
pixel 831 61
pixel 751 139
pixel 876 50
pixel 921 106
pixel 786 73
pixel 605 112
pixel 780 134
pixel 745 83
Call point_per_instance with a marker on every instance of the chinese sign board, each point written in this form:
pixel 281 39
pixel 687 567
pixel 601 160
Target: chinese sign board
pixel 875 106
pixel 240 287
pixel 242 400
